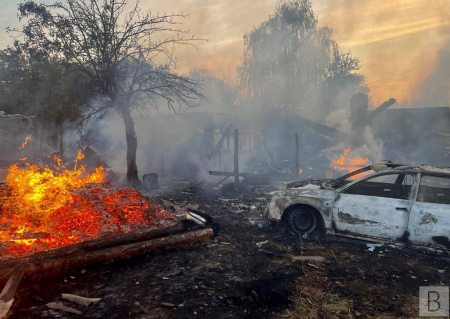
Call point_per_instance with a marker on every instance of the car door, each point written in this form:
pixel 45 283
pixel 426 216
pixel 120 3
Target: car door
pixel 430 212
pixel 376 206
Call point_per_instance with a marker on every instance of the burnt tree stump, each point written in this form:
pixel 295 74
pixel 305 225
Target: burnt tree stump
pixel 150 182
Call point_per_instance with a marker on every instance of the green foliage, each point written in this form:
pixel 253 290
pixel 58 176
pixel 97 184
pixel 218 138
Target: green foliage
pixel 40 85
pixel 126 65
pixel 291 62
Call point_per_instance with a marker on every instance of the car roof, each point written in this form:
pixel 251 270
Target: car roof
pixel 386 167
pixel 424 168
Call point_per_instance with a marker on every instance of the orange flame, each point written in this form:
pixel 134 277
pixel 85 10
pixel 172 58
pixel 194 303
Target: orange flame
pixel 349 163
pixel 43 208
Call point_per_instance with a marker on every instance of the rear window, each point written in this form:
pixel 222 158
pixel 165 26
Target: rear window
pixel 434 189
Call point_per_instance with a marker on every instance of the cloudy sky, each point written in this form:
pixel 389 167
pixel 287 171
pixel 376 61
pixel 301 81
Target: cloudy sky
pixel 398 41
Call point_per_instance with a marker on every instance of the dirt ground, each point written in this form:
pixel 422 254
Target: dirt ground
pixel 233 277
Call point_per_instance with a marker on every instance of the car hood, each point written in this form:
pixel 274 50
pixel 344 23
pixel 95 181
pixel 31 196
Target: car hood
pixel 293 193
pixel 330 184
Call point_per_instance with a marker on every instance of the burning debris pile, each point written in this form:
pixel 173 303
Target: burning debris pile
pixel 348 163
pixel 49 207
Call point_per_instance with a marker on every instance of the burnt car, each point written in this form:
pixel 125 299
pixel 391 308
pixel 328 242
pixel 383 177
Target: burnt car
pixel 392 202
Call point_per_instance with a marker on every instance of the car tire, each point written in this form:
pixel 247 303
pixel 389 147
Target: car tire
pixel 303 220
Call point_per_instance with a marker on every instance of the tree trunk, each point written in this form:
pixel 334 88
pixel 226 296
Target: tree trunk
pixel 132 171
pixel 61 140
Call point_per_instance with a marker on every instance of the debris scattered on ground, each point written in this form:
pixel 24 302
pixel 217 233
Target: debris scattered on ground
pixel 81 300
pixel 262 243
pixel 312 265
pixel 372 246
pixel 234 278
pixel 57 306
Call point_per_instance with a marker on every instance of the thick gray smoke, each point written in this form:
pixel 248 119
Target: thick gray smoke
pixel 435 91
pixel 182 144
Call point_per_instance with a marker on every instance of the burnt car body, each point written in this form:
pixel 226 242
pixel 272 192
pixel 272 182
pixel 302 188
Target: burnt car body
pixel 397 202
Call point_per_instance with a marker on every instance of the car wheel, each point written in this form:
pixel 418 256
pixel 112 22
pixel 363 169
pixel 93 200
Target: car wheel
pixel 303 220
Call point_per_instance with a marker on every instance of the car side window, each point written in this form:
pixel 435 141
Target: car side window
pixel 387 186
pixel 433 189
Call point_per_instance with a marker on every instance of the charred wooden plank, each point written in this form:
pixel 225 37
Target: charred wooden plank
pixel 383 107
pixel 101 243
pixel 111 254
pixel 8 292
pixel 136 236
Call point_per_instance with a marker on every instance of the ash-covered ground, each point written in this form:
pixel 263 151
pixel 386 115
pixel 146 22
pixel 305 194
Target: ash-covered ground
pixel 245 272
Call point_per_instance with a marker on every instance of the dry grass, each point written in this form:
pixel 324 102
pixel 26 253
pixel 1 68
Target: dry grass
pixel 314 303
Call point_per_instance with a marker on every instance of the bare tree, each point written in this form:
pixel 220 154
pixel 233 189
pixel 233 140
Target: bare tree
pixel 128 56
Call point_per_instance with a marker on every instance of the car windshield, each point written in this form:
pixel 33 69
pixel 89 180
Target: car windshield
pixel 359 175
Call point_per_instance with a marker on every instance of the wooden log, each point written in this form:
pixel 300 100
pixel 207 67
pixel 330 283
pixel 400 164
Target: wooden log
pixel 8 292
pixel 102 243
pixel 111 254
pixel 236 158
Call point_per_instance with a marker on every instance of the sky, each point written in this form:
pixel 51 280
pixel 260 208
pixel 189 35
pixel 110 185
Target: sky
pixel 398 41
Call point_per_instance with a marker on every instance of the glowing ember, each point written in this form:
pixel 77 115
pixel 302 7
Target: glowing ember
pixel 349 163
pixel 51 207
pixel 300 171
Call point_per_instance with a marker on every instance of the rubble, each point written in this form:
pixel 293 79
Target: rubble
pixel 236 278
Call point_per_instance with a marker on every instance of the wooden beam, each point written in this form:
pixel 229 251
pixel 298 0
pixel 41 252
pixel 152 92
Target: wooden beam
pixel 92 245
pixel 102 243
pixel 8 292
pixel 219 144
pixel 112 254
pixel 272 159
pixel 383 107
pixel 328 131
pixel 222 180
